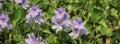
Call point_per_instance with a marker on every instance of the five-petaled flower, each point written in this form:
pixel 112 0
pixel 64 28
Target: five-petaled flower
pixel 4 21
pixel 78 28
pixel 23 3
pixel 0 3
pixel 60 19
pixel 35 14
pixel 33 40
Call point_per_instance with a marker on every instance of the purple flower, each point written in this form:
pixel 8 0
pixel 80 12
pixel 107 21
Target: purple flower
pixel 32 40
pixel 24 3
pixel 0 3
pixel 35 14
pixel 60 19
pixel 4 21
pixel 78 28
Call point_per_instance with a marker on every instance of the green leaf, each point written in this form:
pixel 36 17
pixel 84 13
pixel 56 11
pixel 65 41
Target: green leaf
pixel 21 42
pixel 17 16
pixel 103 23
pixel 100 41
pixel 114 13
pixel 46 31
pixel 95 17
pixel 18 37
pixel 105 30
pixel 82 12
pixel 52 39
pixel 69 8
pixel 119 23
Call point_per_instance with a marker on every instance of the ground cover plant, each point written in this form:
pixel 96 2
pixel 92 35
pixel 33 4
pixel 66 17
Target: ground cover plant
pixel 59 21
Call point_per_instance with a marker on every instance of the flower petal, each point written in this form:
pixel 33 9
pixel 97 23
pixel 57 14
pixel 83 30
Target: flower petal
pixel 59 28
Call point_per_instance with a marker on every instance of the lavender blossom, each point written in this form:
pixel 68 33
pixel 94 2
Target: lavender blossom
pixel 78 28
pixel 24 3
pixel 35 14
pixel 60 19
pixel 32 40
pixel 0 3
pixel 4 22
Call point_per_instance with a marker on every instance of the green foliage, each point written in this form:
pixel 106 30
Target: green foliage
pixel 102 19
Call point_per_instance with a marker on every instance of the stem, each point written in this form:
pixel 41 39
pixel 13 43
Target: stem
pixel 38 27
pixel 5 34
pixel 59 35
pixel 80 40
pixel 10 38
